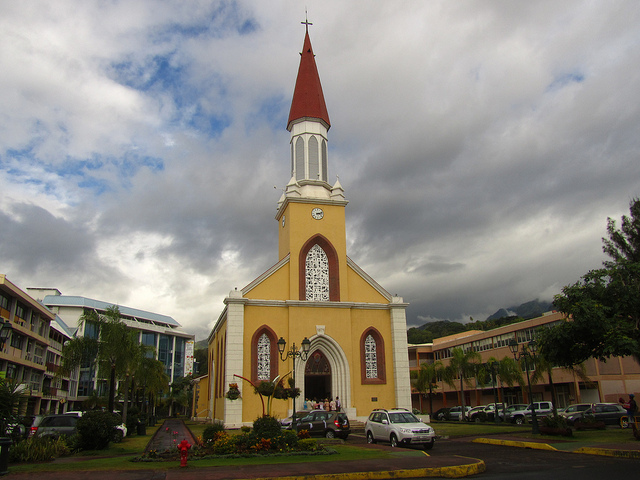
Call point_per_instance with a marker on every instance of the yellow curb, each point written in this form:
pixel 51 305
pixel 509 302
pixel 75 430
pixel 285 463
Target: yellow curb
pixel 458 471
pixel 608 452
pixel 512 443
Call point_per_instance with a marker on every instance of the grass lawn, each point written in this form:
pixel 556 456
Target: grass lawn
pixel 118 456
pixel 611 435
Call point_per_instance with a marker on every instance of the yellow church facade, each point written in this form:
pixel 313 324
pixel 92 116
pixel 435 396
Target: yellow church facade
pixel 354 330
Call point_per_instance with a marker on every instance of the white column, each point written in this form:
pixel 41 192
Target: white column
pixel 400 353
pixel 234 361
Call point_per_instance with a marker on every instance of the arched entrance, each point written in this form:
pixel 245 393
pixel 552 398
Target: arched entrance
pixel 317 377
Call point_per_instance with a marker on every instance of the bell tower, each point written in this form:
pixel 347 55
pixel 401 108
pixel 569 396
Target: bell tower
pixel 311 211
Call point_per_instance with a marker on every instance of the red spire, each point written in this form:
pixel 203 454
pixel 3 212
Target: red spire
pixel 308 100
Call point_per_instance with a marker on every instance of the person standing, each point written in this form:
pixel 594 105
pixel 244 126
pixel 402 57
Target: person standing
pixel 632 410
pixel 332 405
pixel 338 404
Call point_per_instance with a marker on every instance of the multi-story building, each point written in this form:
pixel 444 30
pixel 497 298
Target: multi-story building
pixel 23 354
pixel 59 393
pixel 173 346
pixel 606 382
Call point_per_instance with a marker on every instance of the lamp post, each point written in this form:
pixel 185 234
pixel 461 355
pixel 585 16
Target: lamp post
pixel 294 353
pixel 528 352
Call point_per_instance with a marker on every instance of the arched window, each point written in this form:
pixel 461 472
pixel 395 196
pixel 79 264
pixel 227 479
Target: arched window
pixel 372 357
pixel 333 278
pixel 264 358
pixel 264 362
pixel 317 275
pixel 300 159
pixel 324 175
pixel 314 167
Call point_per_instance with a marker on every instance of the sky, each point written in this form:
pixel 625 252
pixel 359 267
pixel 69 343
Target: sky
pixel 482 145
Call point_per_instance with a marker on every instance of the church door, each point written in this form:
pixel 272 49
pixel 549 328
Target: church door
pixel 317 377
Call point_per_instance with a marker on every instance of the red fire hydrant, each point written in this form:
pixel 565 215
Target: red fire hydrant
pixel 184 447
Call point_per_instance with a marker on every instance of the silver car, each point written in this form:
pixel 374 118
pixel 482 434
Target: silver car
pixel 399 427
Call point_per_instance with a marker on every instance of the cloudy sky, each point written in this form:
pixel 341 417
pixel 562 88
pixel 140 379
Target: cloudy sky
pixel 481 144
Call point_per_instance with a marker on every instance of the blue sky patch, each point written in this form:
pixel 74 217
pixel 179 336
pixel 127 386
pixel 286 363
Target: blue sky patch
pixel 564 80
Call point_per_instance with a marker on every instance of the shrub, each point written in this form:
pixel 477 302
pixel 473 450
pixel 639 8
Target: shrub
pixel 302 434
pixel 285 440
pixel 266 427
pixel 96 429
pixel 308 445
pixel 38 449
pixel 245 429
pixel 223 444
pixel 211 432
pixel 554 422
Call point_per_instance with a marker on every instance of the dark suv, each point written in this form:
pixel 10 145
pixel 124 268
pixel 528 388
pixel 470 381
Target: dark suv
pixel 57 426
pixel 326 424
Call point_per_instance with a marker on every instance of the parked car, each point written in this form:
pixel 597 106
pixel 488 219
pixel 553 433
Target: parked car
pixel 326 424
pixel 454 412
pixel 506 413
pixel 399 427
pixel 522 416
pixel 609 413
pixel 476 414
pixel 120 430
pixel 33 421
pixel 441 413
pixel 574 408
pixel 285 423
pixel 55 426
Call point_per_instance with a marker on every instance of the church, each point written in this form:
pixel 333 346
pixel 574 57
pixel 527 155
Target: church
pixel 346 336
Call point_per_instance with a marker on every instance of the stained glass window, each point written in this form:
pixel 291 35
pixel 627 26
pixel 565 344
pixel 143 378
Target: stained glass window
pixel 317 275
pixel 370 357
pixel 264 358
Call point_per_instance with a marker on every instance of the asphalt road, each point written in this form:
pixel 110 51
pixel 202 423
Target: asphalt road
pixel 522 463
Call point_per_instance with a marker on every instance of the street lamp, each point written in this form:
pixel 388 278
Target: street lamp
pixel 5 332
pixel 294 352
pixel 527 353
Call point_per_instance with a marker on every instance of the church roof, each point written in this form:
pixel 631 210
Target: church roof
pixel 308 99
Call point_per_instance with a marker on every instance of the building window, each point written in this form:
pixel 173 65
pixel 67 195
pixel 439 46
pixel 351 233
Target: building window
pixel 264 358
pixel 264 355
pixel 324 173
pixel 372 357
pixel 314 166
pixel 317 275
pixel 299 159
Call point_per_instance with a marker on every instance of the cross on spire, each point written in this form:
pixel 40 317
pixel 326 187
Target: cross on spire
pixel 306 22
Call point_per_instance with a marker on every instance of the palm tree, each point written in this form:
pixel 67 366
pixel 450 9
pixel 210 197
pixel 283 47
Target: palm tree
pixel 462 365
pixel 542 366
pixel 110 351
pixel 152 380
pixel 425 379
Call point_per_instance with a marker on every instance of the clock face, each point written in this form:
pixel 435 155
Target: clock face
pixel 317 213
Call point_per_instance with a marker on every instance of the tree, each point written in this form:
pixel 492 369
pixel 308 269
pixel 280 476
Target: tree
pixel 11 395
pixel 604 305
pixel 462 365
pixel 109 350
pixel 425 380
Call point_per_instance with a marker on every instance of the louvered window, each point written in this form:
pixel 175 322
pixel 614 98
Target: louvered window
pixel 313 159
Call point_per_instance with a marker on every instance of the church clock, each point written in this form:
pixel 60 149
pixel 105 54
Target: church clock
pixel 317 213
